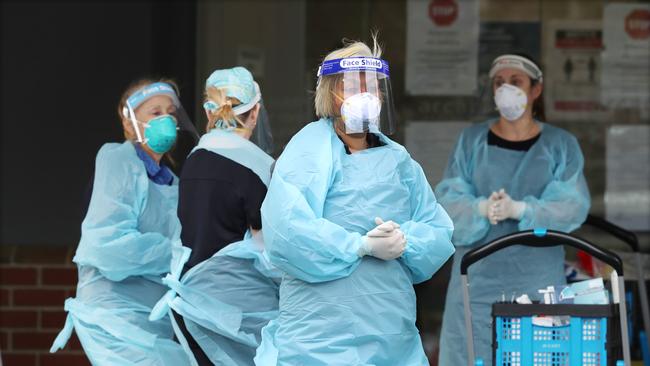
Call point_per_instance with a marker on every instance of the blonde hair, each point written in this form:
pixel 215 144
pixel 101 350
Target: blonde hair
pixel 225 111
pixel 324 98
pixel 132 88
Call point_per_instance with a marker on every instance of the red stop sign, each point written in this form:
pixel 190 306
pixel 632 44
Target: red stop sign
pixel 637 24
pixel 443 12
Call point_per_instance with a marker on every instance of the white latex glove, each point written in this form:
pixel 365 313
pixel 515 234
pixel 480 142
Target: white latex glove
pixel 383 247
pixel 383 229
pixel 507 208
pixel 486 208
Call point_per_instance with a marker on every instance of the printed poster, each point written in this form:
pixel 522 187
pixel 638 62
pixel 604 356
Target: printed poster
pixel 572 71
pixel 442 47
pixel 626 57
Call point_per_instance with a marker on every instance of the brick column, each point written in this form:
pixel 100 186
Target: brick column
pixel 34 282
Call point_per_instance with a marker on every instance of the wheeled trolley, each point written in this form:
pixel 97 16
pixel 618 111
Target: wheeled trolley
pixel 591 336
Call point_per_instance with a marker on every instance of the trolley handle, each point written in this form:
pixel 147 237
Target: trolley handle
pixel 626 236
pixel 540 238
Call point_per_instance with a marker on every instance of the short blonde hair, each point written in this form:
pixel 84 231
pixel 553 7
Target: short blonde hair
pixel 324 99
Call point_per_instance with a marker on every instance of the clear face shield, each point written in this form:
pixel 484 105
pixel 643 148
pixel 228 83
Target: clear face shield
pixel 165 129
pixel 262 136
pixel 179 116
pixel 361 87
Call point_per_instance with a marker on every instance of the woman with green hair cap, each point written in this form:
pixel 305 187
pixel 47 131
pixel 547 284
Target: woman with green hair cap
pixel 222 288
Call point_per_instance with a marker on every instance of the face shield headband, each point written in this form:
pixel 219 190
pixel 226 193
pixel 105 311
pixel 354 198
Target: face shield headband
pixel 141 95
pixel 516 62
pixel 372 64
pixel 364 92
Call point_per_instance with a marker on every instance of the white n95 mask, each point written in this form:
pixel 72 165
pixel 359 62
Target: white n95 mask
pixel 360 113
pixel 511 101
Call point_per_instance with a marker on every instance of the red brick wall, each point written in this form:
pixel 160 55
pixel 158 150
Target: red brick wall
pixel 34 282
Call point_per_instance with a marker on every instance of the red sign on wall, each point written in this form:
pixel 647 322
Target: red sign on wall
pixel 443 12
pixel 637 24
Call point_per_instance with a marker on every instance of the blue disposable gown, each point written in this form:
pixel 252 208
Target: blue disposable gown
pixel 549 178
pixel 124 251
pixel 226 300
pixel 337 308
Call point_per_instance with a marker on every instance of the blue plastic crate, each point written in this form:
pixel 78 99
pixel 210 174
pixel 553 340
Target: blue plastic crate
pixel 520 342
pixel 584 341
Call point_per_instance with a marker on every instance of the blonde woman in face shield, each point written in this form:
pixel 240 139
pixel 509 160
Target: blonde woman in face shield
pixel 225 290
pixel 352 223
pixel 127 235
pixel 506 175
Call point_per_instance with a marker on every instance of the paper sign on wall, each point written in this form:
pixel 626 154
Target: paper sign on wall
pixel 626 58
pixel 572 76
pixel 442 47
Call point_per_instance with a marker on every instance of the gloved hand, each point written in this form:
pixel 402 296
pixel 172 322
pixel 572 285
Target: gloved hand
pixel 486 208
pixel 384 242
pixel 507 208
pixel 383 229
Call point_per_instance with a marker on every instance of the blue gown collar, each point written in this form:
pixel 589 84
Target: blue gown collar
pixel 158 174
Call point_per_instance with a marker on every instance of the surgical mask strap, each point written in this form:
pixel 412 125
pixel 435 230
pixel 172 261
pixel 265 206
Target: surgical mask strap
pixel 134 122
pixel 339 117
pixel 243 108
pixel 240 126
pixel 223 125
pixel 228 126
pixel 337 97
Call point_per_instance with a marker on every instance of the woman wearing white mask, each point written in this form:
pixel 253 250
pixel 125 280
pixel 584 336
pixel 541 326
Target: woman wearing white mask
pixel 506 175
pixel 346 296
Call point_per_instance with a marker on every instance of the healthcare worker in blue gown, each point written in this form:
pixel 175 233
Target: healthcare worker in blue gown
pixel 506 175
pixel 352 222
pixel 127 235
pixel 223 289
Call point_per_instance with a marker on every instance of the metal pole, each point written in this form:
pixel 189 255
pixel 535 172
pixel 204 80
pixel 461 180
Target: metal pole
pixel 643 294
pixel 468 321
pixel 623 317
